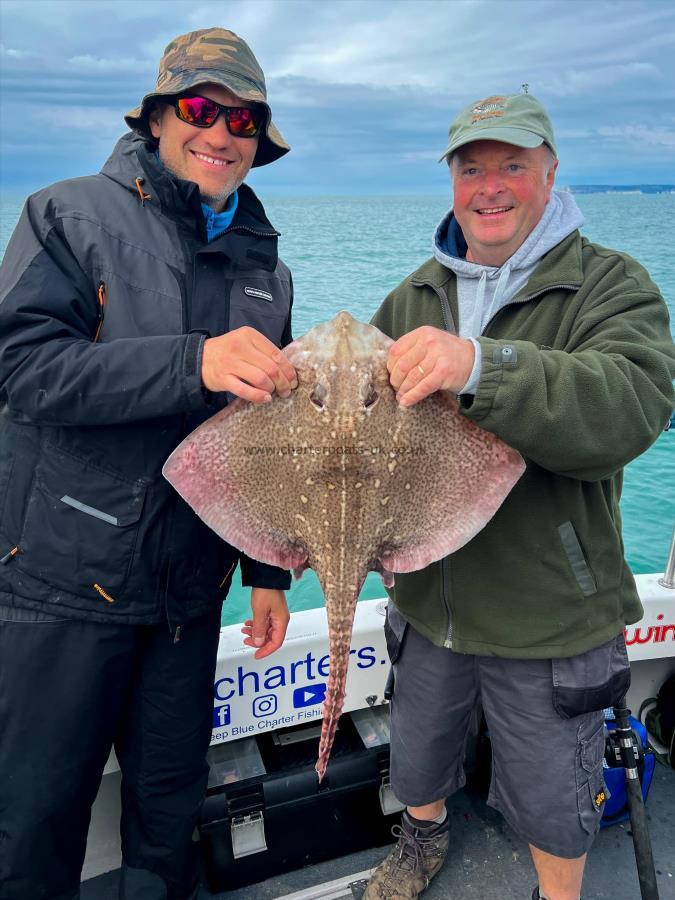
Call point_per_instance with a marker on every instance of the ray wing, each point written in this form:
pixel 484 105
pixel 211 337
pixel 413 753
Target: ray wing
pixel 445 478
pixel 233 472
pixel 239 473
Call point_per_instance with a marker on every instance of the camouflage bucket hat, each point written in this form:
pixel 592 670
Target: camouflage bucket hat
pixel 216 56
pixel 518 119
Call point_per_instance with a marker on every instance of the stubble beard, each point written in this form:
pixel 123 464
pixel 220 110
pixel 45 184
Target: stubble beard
pixel 218 201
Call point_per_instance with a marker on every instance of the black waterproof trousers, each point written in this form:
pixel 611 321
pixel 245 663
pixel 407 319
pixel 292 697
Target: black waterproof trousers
pixel 69 691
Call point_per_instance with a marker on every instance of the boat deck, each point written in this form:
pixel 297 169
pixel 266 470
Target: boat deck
pixel 487 861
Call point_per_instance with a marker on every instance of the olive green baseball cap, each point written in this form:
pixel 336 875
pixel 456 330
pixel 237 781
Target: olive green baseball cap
pixel 518 119
pixel 214 56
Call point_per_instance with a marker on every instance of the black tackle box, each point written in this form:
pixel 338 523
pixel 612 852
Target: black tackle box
pixel 266 813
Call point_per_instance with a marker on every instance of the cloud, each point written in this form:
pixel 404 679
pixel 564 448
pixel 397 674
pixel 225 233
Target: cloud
pixel 593 79
pixel 97 64
pixel 363 90
pixel 640 134
pixel 66 122
pixel 10 54
pixel 421 156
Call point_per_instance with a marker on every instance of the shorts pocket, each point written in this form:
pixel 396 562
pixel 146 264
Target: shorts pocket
pixel 394 631
pixel 81 524
pixel 591 790
pixel 591 681
pixel 591 799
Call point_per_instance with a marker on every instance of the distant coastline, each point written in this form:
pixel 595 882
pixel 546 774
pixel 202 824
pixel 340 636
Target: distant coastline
pixel 15 198
pixel 619 188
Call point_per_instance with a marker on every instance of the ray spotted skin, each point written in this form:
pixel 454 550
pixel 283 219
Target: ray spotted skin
pixel 340 478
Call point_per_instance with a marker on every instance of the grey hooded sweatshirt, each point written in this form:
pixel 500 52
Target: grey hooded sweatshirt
pixel 483 290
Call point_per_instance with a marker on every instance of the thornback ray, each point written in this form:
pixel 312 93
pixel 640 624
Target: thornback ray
pixel 340 478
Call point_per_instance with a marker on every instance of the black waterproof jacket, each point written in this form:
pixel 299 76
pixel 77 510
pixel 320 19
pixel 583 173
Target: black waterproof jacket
pixel 108 290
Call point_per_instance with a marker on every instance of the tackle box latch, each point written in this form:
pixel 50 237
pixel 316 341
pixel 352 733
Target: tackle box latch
pixel 248 834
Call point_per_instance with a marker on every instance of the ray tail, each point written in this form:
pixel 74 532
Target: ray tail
pixel 340 620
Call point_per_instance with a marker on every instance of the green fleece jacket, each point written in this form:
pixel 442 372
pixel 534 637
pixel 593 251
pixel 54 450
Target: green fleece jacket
pixel 577 376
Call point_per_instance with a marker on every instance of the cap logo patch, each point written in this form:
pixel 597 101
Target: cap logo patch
pixel 491 107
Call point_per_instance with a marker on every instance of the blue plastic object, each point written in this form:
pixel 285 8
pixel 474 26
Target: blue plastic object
pixel 616 807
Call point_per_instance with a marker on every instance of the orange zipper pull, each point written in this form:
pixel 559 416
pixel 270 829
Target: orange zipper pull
pixel 107 596
pixel 6 558
pixel 138 182
pixel 101 308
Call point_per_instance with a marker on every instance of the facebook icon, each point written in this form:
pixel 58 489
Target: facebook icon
pixel 221 716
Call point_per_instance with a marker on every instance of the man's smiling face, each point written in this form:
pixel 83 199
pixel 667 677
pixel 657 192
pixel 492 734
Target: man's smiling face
pixel 500 192
pixel 214 159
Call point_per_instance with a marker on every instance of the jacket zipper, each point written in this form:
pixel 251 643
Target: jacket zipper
pixel 228 573
pixel 254 231
pixel 448 320
pixel 528 297
pixel 545 290
pixel 447 643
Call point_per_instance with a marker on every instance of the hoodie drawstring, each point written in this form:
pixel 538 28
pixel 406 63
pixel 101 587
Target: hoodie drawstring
pixel 480 313
pixel 477 309
pixel 500 287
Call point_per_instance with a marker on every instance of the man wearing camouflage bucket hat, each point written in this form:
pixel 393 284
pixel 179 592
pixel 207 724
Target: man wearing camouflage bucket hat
pixel 562 349
pixel 133 304
pixel 219 57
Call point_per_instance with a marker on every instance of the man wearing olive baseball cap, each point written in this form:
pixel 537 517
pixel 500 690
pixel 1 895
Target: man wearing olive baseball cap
pixel 516 119
pixel 133 304
pixel 562 349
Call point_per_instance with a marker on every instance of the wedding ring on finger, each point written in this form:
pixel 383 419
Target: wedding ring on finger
pixel 421 370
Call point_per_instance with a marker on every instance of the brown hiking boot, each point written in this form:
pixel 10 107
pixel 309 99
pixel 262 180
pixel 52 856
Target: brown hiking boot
pixel 413 862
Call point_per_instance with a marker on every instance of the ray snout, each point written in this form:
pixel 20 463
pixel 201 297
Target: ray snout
pixel 345 321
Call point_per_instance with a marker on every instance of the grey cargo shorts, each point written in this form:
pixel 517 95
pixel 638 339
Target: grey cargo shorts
pixel 545 722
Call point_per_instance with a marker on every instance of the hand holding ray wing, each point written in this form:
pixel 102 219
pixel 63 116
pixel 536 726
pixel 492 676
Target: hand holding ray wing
pixel 405 486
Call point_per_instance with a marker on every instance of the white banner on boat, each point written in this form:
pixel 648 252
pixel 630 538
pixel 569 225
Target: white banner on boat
pixel 288 687
pixel 653 637
pixel 252 696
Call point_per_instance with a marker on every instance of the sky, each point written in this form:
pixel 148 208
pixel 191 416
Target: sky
pixel 363 90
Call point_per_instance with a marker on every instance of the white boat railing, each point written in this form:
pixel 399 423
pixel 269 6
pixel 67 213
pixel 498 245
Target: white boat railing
pixel 668 580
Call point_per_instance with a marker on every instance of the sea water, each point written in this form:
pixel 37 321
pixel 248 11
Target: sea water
pixel 349 252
